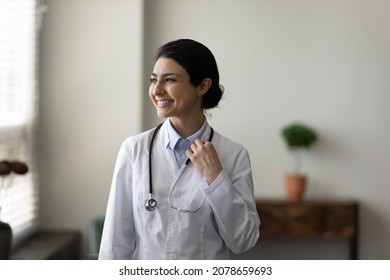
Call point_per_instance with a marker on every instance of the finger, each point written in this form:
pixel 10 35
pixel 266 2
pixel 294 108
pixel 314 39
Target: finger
pixel 199 142
pixel 196 145
pixel 189 153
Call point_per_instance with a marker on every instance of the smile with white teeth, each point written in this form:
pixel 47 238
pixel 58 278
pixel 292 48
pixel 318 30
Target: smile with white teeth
pixel 163 102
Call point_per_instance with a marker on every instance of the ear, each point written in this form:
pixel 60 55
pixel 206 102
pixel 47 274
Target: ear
pixel 204 86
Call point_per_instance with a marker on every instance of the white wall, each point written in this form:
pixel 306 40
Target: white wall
pixel 90 100
pixel 322 62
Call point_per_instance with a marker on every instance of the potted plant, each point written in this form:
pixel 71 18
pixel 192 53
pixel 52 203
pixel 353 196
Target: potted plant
pixel 298 137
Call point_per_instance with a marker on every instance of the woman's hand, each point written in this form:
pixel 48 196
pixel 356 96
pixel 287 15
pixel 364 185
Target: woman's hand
pixel 205 158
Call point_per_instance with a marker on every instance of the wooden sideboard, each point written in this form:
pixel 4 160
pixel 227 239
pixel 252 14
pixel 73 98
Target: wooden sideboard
pixel 310 219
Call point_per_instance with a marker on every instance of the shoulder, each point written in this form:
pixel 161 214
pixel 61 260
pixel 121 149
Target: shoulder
pixel 137 142
pixel 138 138
pixel 226 146
pixel 225 142
pixel 233 156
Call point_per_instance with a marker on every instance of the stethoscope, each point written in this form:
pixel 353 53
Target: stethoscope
pixel 150 203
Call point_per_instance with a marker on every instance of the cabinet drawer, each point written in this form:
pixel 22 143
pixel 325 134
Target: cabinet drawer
pixel 307 219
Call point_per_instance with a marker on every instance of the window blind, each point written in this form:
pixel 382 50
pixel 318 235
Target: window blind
pixel 18 113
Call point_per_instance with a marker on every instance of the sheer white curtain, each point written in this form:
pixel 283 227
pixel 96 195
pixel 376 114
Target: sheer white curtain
pixel 18 112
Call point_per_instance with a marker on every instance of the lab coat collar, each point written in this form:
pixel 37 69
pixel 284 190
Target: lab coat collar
pixel 174 137
pixel 203 134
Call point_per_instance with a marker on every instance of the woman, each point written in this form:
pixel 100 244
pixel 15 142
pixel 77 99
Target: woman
pixel 181 191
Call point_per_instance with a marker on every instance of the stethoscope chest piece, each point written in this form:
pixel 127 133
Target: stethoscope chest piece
pixel 150 204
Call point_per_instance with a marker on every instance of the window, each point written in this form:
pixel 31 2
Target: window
pixel 18 117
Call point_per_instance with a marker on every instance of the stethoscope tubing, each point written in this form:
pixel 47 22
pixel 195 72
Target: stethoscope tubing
pixel 150 157
pixel 150 203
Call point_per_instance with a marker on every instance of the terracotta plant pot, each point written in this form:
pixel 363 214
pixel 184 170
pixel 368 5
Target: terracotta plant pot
pixel 295 185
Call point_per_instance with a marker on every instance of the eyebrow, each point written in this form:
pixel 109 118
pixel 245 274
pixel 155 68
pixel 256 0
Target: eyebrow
pixel 166 74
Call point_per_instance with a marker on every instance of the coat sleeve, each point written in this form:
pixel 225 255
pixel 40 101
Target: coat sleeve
pixel 118 238
pixel 231 197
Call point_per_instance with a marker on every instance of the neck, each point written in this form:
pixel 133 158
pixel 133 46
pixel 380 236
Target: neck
pixel 187 128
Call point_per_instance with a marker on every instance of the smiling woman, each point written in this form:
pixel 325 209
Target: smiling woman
pixel 202 204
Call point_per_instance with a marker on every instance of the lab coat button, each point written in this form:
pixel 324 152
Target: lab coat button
pixel 174 225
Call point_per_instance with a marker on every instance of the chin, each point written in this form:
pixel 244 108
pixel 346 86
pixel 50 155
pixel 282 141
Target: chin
pixel 162 115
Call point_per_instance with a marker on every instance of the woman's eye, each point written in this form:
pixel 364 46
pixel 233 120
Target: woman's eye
pixel 166 80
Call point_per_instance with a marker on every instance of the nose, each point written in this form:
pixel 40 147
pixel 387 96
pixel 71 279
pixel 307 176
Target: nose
pixel 157 88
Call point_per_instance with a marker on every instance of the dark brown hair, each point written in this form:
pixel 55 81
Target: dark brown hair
pixel 199 62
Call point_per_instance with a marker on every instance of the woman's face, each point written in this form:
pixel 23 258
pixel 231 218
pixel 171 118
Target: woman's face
pixel 172 93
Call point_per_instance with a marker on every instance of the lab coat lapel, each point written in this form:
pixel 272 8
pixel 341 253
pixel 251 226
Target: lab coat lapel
pixel 168 155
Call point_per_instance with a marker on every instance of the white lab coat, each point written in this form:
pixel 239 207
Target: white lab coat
pixel 226 220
